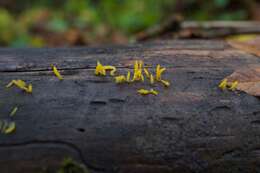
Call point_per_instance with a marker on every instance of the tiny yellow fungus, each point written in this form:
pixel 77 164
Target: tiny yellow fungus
pixel 223 84
pixel 112 68
pixel 138 71
pixel 29 89
pixel 20 84
pixel 159 72
pixel 56 72
pixel 100 70
pixel 152 91
pixel 151 79
pixel 120 79
pixel 233 85
pixel 14 111
pixel 128 76
pixel 143 91
pixel 165 83
pixel 10 84
pixel 10 128
pixel 147 73
pixel 4 125
pixel 146 92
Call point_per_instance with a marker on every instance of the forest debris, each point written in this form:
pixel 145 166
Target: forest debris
pixel 248 80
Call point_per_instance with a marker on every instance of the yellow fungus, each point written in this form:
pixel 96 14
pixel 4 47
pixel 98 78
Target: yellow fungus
pixel 56 72
pixel 128 76
pixel 10 128
pixel 146 92
pixel 165 83
pixel 233 85
pixel 112 68
pixel 4 125
pixel 223 84
pixel 152 91
pixel 100 70
pixel 10 84
pixel 20 84
pixel 147 73
pixel 14 111
pixel 138 71
pixel 159 72
pixel 120 79
pixel 29 89
pixel 151 79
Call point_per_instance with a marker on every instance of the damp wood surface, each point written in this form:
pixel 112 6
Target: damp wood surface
pixel 189 127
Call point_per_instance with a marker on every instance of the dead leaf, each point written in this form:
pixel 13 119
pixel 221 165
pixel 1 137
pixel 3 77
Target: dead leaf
pixel 247 44
pixel 248 80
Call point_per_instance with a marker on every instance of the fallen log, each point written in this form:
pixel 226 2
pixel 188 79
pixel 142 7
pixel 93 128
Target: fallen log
pixel 192 126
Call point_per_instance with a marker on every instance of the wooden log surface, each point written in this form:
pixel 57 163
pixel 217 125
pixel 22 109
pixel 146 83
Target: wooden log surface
pixel 189 127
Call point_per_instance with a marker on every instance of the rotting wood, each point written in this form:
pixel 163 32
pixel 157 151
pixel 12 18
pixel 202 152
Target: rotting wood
pixel 192 126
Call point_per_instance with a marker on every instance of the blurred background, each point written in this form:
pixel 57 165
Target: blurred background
pixel 55 23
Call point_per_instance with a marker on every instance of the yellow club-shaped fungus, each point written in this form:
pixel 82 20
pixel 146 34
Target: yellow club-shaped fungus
pixel 159 72
pixel 20 84
pixel 146 92
pixel 112 68
pixel 165 83
pixel 9 128
pixel 138 75
pixel 223 84
pixel 120 79
pixel 128 76
pixel 147 73
pixel 151 79
pixel 100 69
pixel 233 85
pixel 14 111
pixel 56 72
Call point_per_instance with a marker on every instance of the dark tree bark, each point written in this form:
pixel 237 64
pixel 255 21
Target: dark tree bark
pixel 189 127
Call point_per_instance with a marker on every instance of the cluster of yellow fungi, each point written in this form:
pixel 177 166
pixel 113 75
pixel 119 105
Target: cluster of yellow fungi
pixel 8 127
pixel 225 85
pixel 139 74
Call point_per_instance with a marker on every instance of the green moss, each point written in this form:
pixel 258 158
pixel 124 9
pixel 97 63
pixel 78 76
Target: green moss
pixel 70 166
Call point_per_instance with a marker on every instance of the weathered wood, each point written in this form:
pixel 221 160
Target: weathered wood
pixel 190 127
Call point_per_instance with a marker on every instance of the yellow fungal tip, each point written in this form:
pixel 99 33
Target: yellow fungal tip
pixel 112 68
pixel 146 92
pixel 20 84
pixel 223 84
pixel 9 128
pixel 233 86
pixel 120 79
pixel 14 111
pixel 56 72
pixel 100 70
pixel 165 83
